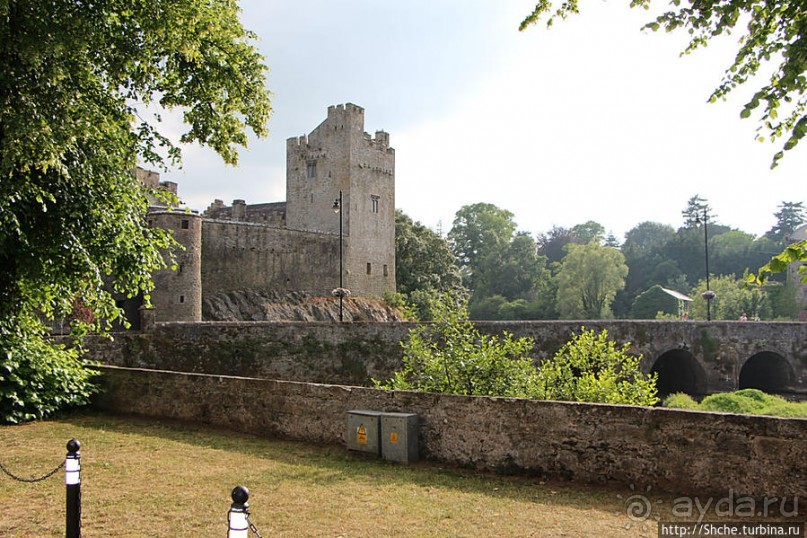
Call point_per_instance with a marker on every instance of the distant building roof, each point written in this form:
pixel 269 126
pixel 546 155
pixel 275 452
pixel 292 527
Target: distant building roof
pixel 677 295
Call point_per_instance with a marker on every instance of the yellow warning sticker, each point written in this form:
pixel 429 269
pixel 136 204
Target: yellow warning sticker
pixel 361 435
pixel 393 437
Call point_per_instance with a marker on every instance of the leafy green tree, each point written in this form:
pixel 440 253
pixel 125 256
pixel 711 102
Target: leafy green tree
pixel 732 299
pixel 647 265
pixel 76 78
pixel 589 231
pixel 491 307
pixel 517 272
pixel 589 277
pixel 591 368
pixel 479 231
pixel 423 259
pixel 782 300
pixel 451 356
pixel 645 238
pixel 552 244
pixel 687 250
pixel 736 252
pixel 774 32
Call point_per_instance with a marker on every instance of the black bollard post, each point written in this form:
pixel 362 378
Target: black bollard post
pixel 237 516
pixel 72 480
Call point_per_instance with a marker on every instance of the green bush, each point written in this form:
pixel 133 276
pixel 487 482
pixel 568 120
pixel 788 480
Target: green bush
pixel 745 402
pixel 759 396
pixel 680 400
pixel 39 378
pixel 451 356
pixel 787 410
pixel 591 368
pixel 731 402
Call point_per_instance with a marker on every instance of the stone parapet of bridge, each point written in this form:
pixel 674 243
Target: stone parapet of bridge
pixel 689 356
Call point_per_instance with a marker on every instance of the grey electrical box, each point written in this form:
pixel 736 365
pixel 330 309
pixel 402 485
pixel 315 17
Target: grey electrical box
pixel 364 431
pixel 399 437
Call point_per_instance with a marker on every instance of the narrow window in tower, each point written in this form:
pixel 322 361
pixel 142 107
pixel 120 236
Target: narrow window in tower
pixel 185 224
pixel 374 199
pixel 386 270
pixel 180 268
pixel 311 170
pixel 181 298
pixel 369 268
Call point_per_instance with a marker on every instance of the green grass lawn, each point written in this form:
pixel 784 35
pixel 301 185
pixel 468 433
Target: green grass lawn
pixel 145 478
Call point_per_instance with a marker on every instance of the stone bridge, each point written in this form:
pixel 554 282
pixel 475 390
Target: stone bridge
pixel 696 357
pixel 689 356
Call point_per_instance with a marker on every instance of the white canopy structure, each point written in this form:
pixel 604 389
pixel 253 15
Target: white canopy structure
pixel 682 302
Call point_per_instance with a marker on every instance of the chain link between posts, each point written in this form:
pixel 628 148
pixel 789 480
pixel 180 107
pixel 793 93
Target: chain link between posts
pixel 5 470
pixel 31 480
pixel 252 526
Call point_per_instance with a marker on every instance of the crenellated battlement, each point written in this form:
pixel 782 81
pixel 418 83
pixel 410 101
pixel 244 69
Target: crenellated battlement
pixel 296 142
pixel 348 109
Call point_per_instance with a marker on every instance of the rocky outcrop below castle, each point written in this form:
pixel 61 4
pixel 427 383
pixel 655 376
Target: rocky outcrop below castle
pixel 256 305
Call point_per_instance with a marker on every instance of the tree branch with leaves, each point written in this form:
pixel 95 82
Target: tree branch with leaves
pixel 775 32
pixel 75 81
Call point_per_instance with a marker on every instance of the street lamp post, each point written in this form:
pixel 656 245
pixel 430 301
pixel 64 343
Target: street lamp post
pixel 337 208
pixel 708 294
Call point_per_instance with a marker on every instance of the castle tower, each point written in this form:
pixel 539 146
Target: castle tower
pixel 339 155
pixel 177 294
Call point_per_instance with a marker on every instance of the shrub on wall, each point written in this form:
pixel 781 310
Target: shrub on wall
pixel 451 356
pixel 591 368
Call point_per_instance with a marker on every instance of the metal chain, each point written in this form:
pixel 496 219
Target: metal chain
pixel 252 526
pixel 31 480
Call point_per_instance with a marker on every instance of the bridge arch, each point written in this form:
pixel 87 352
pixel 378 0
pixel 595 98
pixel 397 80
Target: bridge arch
pixel 767 371
pixel 679 371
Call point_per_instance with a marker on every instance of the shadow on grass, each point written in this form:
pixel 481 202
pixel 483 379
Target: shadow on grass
pixel 334 464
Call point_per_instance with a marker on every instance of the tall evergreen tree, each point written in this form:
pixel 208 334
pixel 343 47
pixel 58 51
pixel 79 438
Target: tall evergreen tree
pixel 789 218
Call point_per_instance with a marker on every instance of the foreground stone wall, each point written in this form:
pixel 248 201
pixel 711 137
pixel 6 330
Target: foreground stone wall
pixel 675 451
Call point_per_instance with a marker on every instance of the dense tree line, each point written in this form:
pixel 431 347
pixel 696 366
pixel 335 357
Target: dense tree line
pixel 580 273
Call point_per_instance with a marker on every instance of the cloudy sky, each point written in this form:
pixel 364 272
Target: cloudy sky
pixel 591 120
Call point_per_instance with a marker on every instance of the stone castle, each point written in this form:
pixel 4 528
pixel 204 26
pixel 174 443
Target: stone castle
pixel 291 246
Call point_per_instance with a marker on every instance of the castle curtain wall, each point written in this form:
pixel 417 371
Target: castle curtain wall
pixel 241 255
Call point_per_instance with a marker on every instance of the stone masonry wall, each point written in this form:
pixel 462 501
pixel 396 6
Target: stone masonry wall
pixel 353 353
pixel 241 255
pixel 320 352
pixel 676 451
